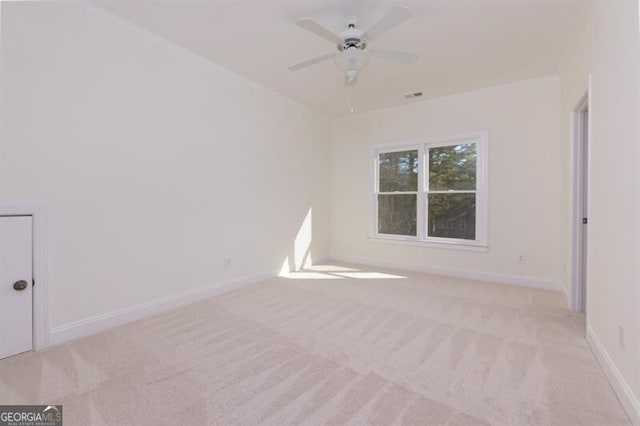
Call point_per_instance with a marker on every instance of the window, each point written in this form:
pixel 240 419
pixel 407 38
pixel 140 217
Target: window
pixel 398 193
pixel 432 192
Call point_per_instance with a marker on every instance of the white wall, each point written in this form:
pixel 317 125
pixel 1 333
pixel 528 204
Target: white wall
pixel 609 49
pixel 525 180
pixel 154 163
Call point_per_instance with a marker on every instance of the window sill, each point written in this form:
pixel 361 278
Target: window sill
pixel 477 247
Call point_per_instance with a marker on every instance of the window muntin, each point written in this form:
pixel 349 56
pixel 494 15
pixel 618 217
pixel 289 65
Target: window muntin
pixel 432 192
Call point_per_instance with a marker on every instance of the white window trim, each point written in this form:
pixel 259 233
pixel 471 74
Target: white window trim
pixel 482 193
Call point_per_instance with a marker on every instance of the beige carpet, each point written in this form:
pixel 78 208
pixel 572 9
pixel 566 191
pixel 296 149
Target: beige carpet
pixel 332 346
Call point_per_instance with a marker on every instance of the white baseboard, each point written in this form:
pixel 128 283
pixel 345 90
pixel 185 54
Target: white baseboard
pixel 620 386
pixel 457 273
pixel 102 322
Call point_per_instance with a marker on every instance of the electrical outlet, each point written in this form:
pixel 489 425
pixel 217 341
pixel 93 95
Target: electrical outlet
pixel 522 258
pixel 621 336
pixel 227 262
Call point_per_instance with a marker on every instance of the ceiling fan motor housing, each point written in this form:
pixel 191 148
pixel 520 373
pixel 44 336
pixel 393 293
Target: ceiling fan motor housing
pixel 352 42
pixel 352 38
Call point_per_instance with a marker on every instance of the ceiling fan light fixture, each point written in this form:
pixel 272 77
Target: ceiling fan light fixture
pixel 352 59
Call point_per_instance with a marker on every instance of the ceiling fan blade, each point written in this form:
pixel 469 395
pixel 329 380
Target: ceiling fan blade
pixel 317 29
pixel 311 62
pixel 394 56
pixel 393 18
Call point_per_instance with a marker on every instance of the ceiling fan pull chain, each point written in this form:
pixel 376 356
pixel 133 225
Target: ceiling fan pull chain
pixel 351 108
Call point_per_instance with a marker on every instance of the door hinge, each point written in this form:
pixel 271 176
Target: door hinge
pixel 584 220
pixel 33 282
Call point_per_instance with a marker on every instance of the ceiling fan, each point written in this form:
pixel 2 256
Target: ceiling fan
pixel 352 43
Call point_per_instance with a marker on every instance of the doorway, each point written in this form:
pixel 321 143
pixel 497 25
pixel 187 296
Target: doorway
pixel 38 212
pixel 580 215
pixel 16 285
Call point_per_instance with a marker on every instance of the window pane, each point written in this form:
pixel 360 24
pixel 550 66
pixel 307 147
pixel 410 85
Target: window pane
pixel 397 214
pixel 452 168
pixel 398 171
pixel 452 216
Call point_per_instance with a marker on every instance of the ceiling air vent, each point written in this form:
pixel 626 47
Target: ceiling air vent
pixel 413 95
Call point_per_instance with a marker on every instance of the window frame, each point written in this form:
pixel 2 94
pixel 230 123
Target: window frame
pixel 422 238
pixel 397 148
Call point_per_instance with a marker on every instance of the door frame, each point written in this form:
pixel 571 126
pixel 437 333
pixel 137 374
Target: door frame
pixel 40 235
pixel 580 113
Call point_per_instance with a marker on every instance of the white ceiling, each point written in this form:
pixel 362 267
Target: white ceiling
pixel 463 44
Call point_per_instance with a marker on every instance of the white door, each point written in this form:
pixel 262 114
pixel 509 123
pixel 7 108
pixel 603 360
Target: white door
pixel 16 290
pixel 584 210
pixel 581 194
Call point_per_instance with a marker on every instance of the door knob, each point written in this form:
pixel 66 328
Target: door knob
pixel 20 285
